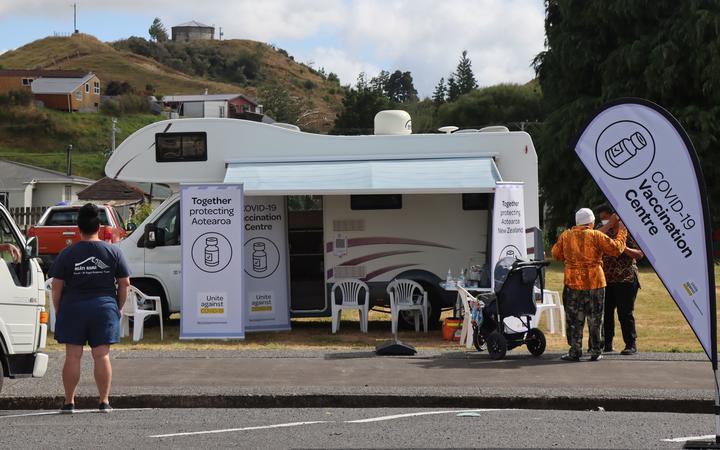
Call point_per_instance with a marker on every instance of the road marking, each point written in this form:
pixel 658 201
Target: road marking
pixel 228 430
pixel 77 411
pixel 690 438
pixel 425 413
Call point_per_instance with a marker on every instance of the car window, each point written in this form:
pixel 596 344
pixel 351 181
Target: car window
pixel 169 222
pixel 118 219
pixel 68 218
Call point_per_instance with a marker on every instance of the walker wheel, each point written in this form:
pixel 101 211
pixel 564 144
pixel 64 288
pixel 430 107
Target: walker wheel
pixel 535 341
pixel 497 345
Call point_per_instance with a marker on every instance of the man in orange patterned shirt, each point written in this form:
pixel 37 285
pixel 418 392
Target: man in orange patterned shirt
pixel 582 249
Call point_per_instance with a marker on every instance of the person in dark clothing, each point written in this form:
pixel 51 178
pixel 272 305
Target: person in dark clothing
pixel 621 274
pixel 89 289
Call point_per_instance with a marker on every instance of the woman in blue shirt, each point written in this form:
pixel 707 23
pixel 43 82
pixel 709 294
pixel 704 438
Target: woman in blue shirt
pixel 90 285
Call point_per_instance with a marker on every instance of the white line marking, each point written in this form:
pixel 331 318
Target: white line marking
pixel 77 411
pixel 426 413
pixel 228 430
pixel 690 438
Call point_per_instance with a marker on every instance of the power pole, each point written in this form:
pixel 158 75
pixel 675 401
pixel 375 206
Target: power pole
pixel 115 130
pixel 68 163
pixel 75 18
pixel 221 33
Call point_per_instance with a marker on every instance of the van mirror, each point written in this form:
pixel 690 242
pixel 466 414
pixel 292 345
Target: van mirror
pixel 31 247
pixel 151 232
pixel 130 227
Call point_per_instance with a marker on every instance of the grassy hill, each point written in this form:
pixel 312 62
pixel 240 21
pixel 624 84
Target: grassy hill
pixel 40 136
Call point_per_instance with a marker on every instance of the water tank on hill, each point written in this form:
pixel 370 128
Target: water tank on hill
pixel 394 122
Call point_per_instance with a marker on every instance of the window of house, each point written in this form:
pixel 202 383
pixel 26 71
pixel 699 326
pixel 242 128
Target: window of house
pixel 96 87
pixel 27 81
pixel 78 95
pixel 87 88
pixel 361 202
pixel 246 108
pixel 68 193
pixel 180 147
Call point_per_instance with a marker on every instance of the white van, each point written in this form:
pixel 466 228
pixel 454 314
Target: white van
pixel 374 207
pixel 23 321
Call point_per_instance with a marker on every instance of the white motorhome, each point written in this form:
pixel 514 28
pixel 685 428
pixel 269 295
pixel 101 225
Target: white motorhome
pixel 374 207
pixel 23 321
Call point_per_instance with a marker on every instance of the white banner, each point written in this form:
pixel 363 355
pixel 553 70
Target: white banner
pixel 211 220
pixel 266 265
pixel 508 225
pixel 645 164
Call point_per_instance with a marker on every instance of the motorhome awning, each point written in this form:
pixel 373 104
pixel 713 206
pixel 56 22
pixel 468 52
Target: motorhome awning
pixel 416 176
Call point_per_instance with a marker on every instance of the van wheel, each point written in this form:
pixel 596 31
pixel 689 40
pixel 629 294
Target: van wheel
pixel 151 288
pixel 2 373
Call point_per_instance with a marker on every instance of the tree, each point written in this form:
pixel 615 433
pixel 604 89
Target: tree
pixel 512 105
pixel 453 90
pixel 599 51
pixel 359 108
pixel 439 93
pixel 279 104
pixel 399 87
pixel 379 83
pixel 464 75
pixel 157 31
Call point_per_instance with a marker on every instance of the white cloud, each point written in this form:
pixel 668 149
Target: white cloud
pixel 345 66
pixel 3 50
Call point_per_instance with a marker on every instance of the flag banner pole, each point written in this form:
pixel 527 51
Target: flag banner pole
pixel 645 164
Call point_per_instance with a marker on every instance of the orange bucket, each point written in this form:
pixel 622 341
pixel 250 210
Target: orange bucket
pixel 450 327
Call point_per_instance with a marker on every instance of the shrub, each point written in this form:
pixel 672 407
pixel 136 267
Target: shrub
pixel 308 84
pixel 110 108
pixel 131 103
pixel 16 98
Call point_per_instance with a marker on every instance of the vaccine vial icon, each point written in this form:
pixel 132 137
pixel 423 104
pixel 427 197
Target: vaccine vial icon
pixel 625 150
pixel 212 252
pixel 259 257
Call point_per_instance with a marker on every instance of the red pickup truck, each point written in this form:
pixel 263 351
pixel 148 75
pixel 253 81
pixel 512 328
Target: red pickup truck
pixel 57 229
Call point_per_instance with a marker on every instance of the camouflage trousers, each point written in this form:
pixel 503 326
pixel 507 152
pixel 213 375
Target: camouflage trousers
pixel 579 306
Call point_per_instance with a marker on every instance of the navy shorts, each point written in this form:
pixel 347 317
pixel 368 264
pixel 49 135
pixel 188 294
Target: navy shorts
pixel 93 320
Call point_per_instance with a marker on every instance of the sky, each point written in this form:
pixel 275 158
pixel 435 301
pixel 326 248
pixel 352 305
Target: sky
pixel 425 37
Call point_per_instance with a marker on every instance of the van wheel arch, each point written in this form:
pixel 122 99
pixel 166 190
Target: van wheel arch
pixel 436 295
pixel 153 287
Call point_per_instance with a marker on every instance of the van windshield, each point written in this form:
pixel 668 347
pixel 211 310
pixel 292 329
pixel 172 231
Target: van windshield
pixel 68 217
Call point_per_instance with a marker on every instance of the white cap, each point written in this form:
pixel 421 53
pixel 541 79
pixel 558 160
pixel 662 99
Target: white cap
pixel 584 216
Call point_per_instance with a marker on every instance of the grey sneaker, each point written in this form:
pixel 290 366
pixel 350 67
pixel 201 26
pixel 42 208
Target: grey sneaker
pixel 104 407
pixel 67 408
pixel 629 351
pixel 569 357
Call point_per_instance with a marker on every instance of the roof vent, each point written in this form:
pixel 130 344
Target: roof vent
pixel 393 122
pixel 495 129
pixel 448 129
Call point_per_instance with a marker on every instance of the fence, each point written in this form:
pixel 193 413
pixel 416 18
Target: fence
pixel 26 217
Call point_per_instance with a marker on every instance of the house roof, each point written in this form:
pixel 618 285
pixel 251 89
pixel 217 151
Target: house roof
pixel 59 85
pixel 205 98
pixel 193 23
pixel 15 175
pixel 38 73
pixel 108 189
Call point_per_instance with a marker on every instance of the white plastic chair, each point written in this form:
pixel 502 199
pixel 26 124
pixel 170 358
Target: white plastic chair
pixel 131 309
pixel 350 290
pixel 50 305
pixel 466 335
pixel 551 303
pixel 407 295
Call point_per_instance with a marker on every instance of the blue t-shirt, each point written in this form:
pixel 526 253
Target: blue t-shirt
pixel 89 270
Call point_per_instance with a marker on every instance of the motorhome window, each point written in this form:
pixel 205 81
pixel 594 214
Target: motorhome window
pixel 169 222
pixel 476 202
pixel 361 202
pixel 68 218
pixel 180 147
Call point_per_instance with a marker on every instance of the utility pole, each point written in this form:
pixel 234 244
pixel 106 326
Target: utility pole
pixel 221 33
pixel 68 168
pixel 115 130
pixel 75 18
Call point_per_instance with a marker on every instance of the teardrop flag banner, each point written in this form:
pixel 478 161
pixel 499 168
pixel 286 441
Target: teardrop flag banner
pixel 645 164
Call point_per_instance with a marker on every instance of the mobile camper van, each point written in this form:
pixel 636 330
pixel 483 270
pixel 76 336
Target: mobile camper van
pixel 374 207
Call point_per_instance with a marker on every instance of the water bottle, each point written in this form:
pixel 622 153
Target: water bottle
pixel 461 279
pixel 448 279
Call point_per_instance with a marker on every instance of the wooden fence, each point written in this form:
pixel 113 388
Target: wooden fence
pixel 26 217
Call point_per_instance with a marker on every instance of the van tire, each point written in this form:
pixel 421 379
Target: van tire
pixel 153 288
pixel 2 372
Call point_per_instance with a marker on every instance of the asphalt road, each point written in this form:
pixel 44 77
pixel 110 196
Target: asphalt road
pixel 348 428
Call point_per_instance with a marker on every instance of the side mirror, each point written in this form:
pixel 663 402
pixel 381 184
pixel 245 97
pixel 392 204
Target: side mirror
pixel 31 247
pixel 151 235
pixel 130 227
